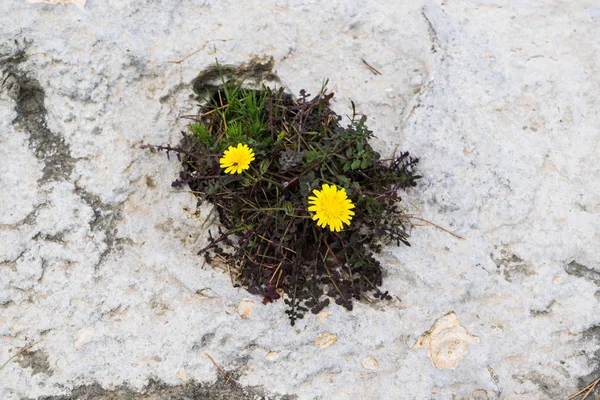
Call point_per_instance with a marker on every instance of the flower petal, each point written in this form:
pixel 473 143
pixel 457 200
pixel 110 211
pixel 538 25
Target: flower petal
pixel 331 207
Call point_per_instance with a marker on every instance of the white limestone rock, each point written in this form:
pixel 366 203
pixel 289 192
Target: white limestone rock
pixel 78 3
pixel 499 101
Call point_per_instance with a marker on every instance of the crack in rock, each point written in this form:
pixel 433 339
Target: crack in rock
pixel 47 146
pixel 435 41
pixel 592 335
pixel 547 384
pixel 590 274
pixel 50 147
pixel 37 360
pixel 545 311
pixel 222 389
pixel 511 265
pixel 258 69
pixel 105 219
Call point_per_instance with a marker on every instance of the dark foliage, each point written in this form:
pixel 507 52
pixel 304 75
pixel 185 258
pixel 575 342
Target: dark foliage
pixel 272 246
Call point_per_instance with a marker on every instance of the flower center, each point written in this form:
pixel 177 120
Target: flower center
pixel 331 207
pixel 237 159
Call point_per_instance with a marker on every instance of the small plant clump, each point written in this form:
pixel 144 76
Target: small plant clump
pixel 303 202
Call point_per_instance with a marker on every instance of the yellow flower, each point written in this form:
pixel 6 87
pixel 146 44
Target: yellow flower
pixel 331 206
pixel 237 159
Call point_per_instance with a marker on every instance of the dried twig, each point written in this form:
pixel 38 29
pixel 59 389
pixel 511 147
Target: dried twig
pixel 586 390
pixel 373 70
pixel 198 117
pixel 24 349
pixel 168 148
pixel 198 50
pixel 436 225
pixel 192 117
pixel 227 378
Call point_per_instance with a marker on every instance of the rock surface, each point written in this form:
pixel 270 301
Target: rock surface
pixel 98 263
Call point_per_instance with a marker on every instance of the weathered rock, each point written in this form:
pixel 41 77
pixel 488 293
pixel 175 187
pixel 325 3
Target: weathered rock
pixel 500 100
pixel 78 3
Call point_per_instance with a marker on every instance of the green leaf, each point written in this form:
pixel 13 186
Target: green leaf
pixel 235 131
pixel 264 166
pixel 202 133
pixel 304 190
pixel 355 164
pixel 312 155
pixel 344 180
pixel 347 166
pixel 289 208
pixel 241 228
pixel 246 182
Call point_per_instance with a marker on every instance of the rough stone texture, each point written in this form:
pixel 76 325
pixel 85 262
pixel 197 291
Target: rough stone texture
pixel 222 389
pixel 500 100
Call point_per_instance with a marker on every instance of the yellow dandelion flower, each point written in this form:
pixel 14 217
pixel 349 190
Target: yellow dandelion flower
pixel 237 159
pixel 331 207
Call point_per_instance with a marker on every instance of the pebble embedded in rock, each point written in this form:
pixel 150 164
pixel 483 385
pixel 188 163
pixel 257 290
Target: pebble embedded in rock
pixel 245 308
pixel 84 336
pixel 446 342
pixel 272 356
pixel 323 315
pixel 370 363
pixel 325 340
pixel 61 363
